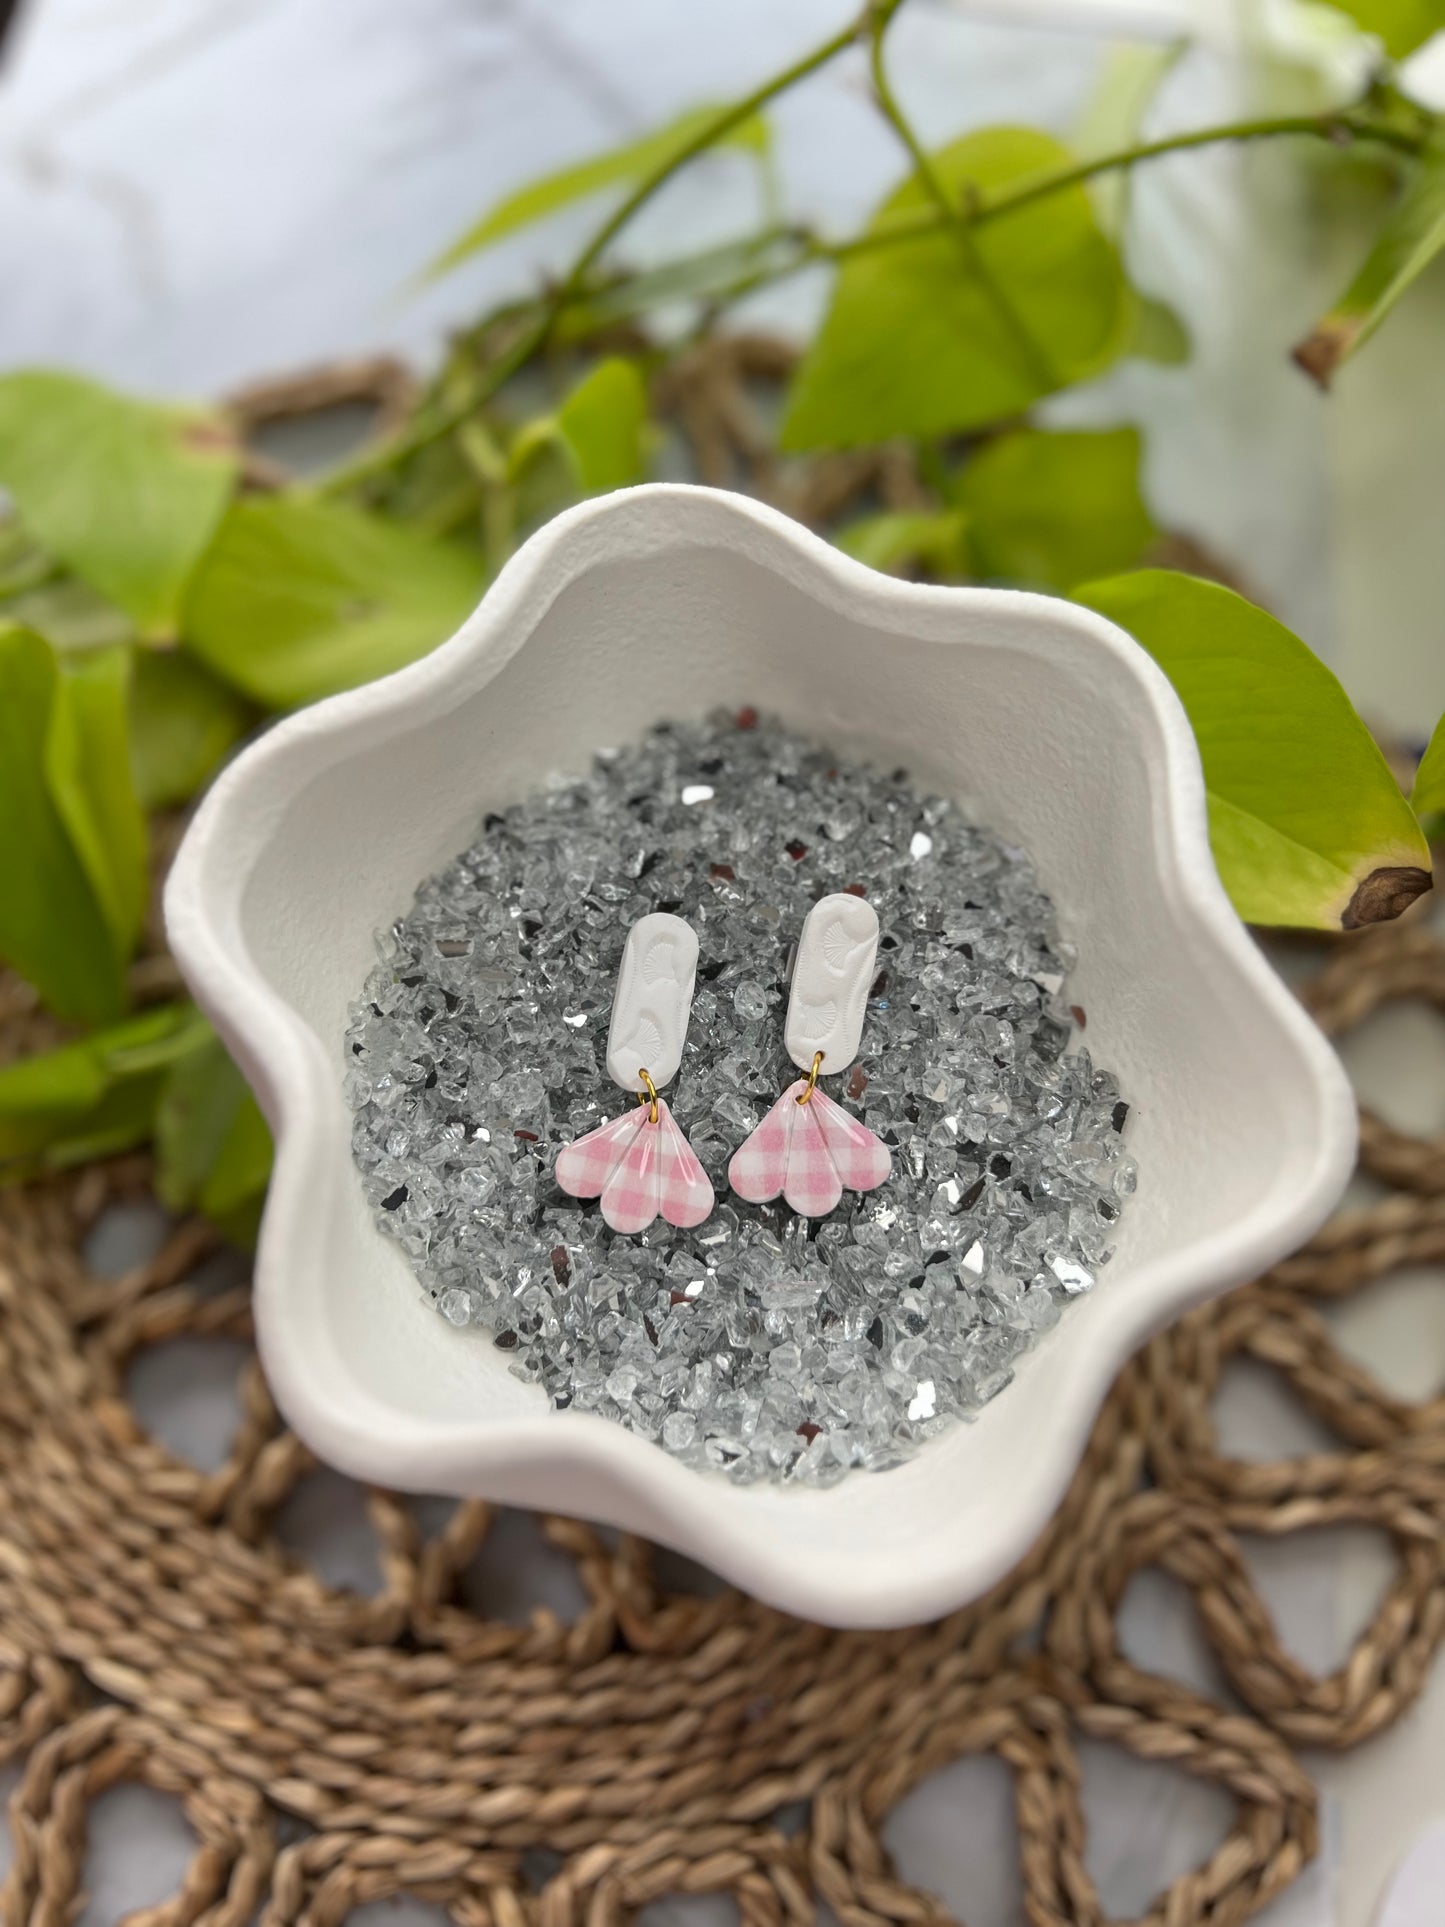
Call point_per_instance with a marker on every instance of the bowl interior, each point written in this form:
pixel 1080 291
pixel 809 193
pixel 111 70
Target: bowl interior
pixel 1005 702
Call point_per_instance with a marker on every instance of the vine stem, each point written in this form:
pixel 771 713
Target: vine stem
pixel 953 213
pixel 813 249
pixel 1341 128
pixel 960 218
pixel 571 288
pixel 720 125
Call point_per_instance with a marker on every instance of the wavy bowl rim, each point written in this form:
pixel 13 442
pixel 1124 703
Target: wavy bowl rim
pixel 282 1056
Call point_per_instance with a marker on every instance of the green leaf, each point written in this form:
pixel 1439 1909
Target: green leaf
pixel 1157 333
pixel 161 1075
pixel 124 492
pixel 900 540
pixel 95 1097
pixel 213 1150
pixel 600 430
pixel 916 341
pixel 437 490
pixel 602 422
pixel 1131 75
pixel 1413 235
pixel 1309 827
pixel 53 927
pixel 1403 25
pixel 235 1190
pixel 694 279
pixel 70 615
pixel 182 723
pixel 296 599
pixel 23 563
pixel 87 763
pixel 1052 509
pixel 1428 795
pixel 584 178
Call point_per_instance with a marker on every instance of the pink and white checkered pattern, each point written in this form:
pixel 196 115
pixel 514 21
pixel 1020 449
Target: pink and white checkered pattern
pixel 639 1169
pixel 809 1153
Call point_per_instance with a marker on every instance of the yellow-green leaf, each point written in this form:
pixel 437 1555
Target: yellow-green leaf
pixel 1412 237
pixel 213 1149
pixel 1428 795
pixel 617 166
pixel 1156 333
pixel 87 764
pixel 23 563
pixel 96 1096
pixel 931 336
pixel 235 1187
pixel 53 926
pixel 183 720
pixel 603 421
pixel 162 1075
pixel 690 279
pixel 1309 827
pixel 899 540
pixel 69 614
pixel 596 437
pixel 296 599
pixel 1403 25
pixel 126 493
pixel 1130 77
pixel 1052 509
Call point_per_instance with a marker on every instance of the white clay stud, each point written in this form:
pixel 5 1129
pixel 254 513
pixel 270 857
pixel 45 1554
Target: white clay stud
pixel 837 959
pixel 653 1001
pixel 640 1165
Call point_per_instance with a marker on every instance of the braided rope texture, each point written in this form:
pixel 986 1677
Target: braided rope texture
pixel 153 1629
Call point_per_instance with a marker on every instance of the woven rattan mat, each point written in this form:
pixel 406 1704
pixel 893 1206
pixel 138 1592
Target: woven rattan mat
pixel 152 1628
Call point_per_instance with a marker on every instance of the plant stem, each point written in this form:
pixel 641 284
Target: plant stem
pixel 723 122
pixel 812 248
pixel 1338 128
pixel 954 214
pixel 571 289
pixel 1331 127
pixel 431 425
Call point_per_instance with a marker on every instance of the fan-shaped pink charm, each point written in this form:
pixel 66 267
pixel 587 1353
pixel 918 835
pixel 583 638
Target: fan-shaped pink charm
pixel 809 1153
pixel 639 1168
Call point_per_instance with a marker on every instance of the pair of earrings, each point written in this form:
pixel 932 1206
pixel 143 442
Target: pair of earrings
pixel 807 1150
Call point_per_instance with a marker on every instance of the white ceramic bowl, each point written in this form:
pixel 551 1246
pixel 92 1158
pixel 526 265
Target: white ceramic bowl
pixel 1045 720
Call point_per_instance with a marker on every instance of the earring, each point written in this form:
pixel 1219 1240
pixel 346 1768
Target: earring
pixel 640 1164
pixel 808 1148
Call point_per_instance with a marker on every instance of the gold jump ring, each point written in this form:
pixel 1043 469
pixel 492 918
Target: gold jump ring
pixel 803 1096
pixel 648 1097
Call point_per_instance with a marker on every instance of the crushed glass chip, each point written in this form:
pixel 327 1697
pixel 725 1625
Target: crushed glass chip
pixel 759 1345
pixel 1072 1278
pixel 924 1402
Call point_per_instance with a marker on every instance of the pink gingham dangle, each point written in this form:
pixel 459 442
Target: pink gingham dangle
pixel 809 1150
pixel 640 1165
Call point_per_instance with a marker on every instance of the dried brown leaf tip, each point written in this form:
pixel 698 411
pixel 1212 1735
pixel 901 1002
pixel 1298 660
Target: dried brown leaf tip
pixel 1321 352
pixel 1384 894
